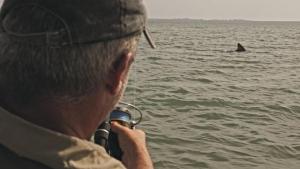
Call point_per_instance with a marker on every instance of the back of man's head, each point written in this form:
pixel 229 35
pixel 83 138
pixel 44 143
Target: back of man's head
pixel 64 48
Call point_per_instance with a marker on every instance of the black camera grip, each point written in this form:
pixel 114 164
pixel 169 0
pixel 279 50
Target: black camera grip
pixel 114 147
pixel 102 134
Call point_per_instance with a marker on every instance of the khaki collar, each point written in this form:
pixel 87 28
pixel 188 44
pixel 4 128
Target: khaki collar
pixel 50 148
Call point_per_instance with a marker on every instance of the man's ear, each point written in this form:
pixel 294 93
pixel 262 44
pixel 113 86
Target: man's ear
pixel 118 73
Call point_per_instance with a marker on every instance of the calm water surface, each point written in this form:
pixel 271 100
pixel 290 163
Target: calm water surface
pixel 208 107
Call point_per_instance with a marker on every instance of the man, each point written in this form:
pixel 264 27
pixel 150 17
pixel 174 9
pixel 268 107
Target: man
pixel 63 67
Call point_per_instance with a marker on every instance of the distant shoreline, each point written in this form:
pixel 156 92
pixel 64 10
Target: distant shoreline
pixel 218 20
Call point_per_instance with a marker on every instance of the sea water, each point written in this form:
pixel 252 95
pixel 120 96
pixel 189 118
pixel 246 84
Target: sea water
pixel 206 106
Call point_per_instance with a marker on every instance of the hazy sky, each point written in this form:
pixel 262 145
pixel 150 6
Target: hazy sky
pixel 225 9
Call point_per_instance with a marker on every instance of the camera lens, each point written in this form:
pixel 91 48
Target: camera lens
pixel 121 116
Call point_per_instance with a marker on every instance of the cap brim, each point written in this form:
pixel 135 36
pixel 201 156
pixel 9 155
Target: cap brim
pixel 148 38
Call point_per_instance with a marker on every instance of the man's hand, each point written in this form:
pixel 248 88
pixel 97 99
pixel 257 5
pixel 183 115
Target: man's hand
pixel 133 145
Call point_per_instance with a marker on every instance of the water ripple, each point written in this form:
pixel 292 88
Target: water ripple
pixel 207 106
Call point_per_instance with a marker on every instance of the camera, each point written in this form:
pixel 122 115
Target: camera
pixel 123 114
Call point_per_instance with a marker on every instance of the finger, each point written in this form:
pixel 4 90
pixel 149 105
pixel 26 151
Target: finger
pixel 118 128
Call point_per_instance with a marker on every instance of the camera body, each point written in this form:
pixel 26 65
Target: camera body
pixel 108 139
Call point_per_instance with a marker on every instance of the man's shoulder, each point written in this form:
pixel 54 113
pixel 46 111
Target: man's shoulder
pixel 10 160
pixel 44 149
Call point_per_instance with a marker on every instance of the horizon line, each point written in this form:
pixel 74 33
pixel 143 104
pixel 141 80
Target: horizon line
pixel 246 20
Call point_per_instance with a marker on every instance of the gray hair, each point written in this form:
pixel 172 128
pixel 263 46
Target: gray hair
pixel 28 71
